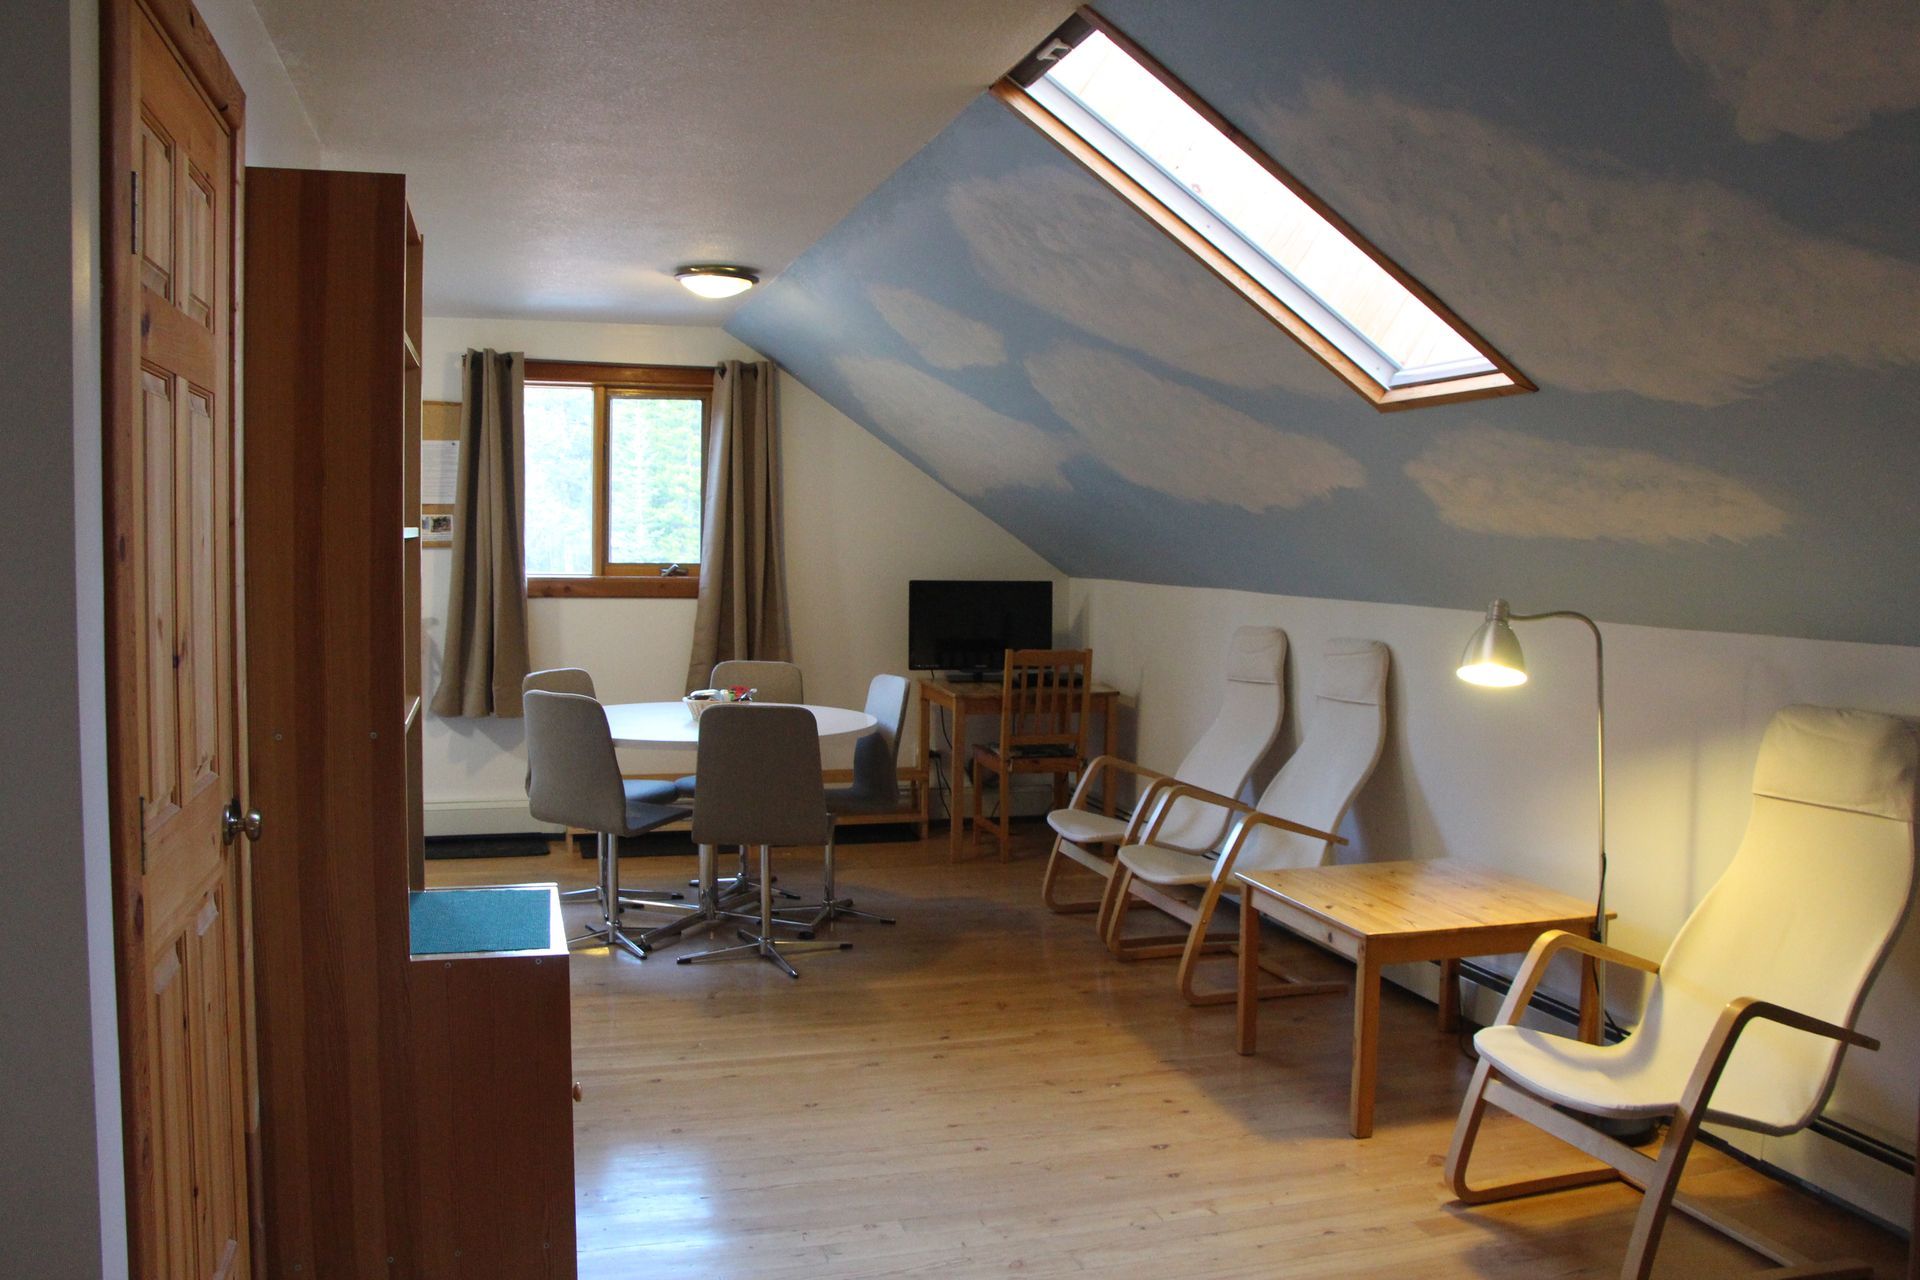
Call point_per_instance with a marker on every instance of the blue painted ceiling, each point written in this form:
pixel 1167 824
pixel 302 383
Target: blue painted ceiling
pixel 1692 223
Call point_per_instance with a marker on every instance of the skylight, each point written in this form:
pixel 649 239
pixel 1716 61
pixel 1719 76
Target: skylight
pixel 1104 100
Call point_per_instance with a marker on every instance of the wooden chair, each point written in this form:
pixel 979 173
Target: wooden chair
pixel 1292 825
pixel 1252 705
pixel 1749 1013
pixel 1046 697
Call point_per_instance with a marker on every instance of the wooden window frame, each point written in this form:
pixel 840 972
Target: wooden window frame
pixel 1011 90
pixel 614 580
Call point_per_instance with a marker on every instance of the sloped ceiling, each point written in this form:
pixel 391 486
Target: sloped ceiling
pixel 1691 223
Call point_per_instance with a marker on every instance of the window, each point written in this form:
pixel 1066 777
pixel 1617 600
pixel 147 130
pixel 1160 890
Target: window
pixel 615 467
pixel 1112 107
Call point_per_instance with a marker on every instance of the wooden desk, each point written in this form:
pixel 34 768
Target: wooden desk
pixel 964 698
pixel 1381 913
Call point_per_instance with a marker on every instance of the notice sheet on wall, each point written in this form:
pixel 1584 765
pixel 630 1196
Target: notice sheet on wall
pixel 439 471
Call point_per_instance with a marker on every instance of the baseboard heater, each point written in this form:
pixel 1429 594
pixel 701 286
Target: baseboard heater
pixel 1845 1134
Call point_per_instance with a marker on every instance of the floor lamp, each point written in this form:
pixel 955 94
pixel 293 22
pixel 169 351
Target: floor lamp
pixel 1493 659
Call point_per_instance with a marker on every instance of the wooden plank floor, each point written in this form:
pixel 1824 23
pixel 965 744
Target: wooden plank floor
pixel 981 1090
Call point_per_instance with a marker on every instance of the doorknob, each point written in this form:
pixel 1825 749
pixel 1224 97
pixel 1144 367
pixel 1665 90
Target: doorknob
pixel 234 824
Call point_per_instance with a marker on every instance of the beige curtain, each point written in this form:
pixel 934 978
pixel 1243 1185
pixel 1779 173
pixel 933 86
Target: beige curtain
pixel 486 648
pixel 743 561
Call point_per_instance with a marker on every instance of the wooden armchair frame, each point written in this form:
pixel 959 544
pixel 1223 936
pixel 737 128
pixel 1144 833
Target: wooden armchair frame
pixel 1125 886
pixel 1656 1177
pixel 1100 864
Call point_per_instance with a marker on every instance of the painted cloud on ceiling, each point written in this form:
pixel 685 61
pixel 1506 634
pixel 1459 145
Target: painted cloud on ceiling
pixel 972 448
pixel 943 337
pixel 1127 416
pixel 1489 480
pixel 1678 289
pixel 1816 71
pixel 1725 330
pixel 1059 241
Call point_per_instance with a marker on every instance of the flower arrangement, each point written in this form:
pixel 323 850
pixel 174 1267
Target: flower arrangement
pixel 700 699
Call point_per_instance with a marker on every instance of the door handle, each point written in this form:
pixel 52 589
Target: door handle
pixel 234 824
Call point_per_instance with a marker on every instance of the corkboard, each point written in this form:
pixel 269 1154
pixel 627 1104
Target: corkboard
pixel 439 420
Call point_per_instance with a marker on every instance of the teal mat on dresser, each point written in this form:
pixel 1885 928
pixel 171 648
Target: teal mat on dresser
pixel 453 920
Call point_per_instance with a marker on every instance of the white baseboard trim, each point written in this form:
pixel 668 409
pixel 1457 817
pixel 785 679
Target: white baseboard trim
pixel 480 818
pixel 1033 797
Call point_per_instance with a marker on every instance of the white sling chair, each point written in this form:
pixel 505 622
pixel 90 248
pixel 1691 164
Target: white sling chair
pixel 1252 704
pixel 1751 1009
pixel 1293 824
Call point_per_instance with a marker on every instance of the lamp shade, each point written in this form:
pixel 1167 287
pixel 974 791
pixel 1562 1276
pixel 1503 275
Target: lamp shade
pixel 716 280
pixel 1492 656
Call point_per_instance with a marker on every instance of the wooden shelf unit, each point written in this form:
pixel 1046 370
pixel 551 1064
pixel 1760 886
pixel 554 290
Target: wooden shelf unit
pixel 410 637
pixel 359 1046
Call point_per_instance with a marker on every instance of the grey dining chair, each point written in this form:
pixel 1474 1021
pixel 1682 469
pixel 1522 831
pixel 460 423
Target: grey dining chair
pixel 577 680
pixel 771 682
pixel 875 789
pixel 574 778
pixel 763 789
pixel 775 681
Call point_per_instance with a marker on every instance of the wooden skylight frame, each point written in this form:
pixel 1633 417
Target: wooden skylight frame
pixel 1503 379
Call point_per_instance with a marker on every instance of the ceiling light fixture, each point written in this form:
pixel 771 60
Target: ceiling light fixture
pixel 716 280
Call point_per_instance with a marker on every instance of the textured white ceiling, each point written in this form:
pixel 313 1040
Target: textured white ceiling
pixel 563 157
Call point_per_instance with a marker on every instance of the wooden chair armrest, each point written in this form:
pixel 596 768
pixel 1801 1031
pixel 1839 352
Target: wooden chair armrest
pixel 1747 1008
pixel 1545 947
pixel 1256 818
pixel 1101 763
pixel 1172 791
pixel 1223 867
pixel 1726 1033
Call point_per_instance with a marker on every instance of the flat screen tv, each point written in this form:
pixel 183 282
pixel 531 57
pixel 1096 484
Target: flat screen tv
pixel 969 626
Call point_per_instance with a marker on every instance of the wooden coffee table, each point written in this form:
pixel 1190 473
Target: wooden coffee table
pixel 1381 913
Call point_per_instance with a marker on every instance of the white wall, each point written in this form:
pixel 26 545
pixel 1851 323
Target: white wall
pixel 860 522
pixel 62 1179
pixel 1506 778
pixel 279 131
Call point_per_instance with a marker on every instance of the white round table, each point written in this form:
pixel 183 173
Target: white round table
pixel 670 724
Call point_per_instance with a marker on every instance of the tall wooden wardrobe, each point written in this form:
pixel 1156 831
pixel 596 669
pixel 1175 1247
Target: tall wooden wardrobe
pixel 377 1157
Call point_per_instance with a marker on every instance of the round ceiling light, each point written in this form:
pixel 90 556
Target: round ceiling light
pixel 715 280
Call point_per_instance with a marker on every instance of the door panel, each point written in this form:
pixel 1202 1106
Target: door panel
pixel 201 704
pixel 157 701
pixel 202 253
pixel 175 495
pixel 153 207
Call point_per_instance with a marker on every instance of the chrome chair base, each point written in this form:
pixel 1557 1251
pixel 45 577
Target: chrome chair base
pixel 611 936
pixel 608 931
pixel 764 945
pixel 831 907
pixel 834 909
pixel 742 881
pixel 711 908
pixel 753 944
pixel 635 898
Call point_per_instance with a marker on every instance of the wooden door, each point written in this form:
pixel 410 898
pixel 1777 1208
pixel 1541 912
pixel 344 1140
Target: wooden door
pixel 174 654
